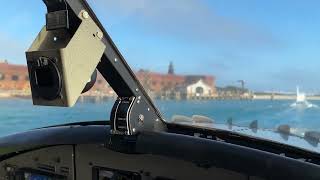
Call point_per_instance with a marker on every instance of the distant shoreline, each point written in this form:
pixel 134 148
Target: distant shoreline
pixel 282 97
pixel 7 95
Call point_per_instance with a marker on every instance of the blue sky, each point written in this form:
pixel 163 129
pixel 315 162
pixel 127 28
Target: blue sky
pixel 272 45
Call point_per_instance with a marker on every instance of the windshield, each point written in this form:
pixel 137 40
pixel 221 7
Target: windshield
pixel 244 63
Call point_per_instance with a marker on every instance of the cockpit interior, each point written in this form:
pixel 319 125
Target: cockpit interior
pixel 136 143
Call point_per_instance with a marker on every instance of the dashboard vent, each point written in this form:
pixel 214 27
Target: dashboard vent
pixel 46 167
pixel 64 170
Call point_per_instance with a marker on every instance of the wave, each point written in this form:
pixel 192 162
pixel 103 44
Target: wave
pixel 303 105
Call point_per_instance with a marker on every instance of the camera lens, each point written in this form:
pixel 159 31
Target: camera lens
pixel 46 79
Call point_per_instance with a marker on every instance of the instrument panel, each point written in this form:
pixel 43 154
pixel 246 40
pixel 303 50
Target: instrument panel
pixel 30 174
pixel 53 163
pixel 85 162
pixel 100 173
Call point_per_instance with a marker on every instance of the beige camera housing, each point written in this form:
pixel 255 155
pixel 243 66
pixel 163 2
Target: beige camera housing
pixel 75 59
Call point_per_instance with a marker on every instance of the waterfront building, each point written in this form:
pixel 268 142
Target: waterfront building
pixel 13 77
pixel 200 90
pixel 174 86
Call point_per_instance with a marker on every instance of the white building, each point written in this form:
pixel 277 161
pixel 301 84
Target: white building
pixel 200 90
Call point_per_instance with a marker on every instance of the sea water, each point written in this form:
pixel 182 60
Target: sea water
pixel 17 115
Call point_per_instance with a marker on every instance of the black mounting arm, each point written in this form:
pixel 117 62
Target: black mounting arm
pixel 134 110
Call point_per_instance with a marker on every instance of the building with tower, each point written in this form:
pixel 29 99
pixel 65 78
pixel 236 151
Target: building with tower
pixel 177 86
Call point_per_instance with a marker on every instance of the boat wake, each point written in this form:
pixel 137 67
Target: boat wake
pixel 301 102
pixel 304 105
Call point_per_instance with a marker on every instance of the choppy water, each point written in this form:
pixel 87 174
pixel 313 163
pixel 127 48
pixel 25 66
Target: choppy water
pixel 18 115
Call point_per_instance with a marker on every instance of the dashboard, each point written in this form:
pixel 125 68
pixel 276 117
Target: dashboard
pixel 87 152
pixel 96 162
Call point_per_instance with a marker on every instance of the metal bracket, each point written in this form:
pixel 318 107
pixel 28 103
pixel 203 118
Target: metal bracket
pixel 134 110
pixel 120 116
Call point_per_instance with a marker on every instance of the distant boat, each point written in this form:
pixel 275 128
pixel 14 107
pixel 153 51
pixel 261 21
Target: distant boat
pixel 301 101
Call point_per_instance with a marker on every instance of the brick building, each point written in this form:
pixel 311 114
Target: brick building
pixel 158 82
pixel 13 77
